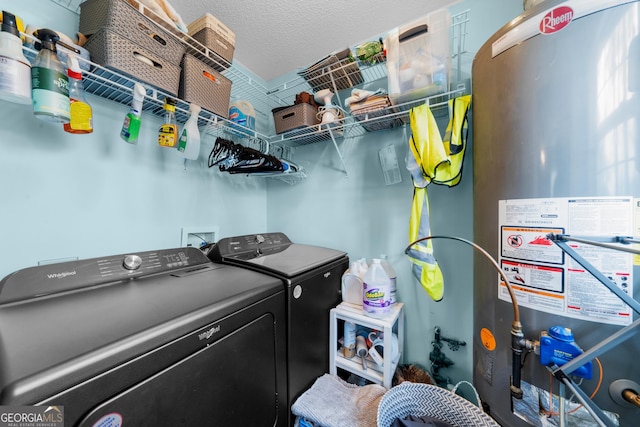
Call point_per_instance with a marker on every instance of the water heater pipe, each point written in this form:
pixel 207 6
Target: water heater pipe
pixel 519 344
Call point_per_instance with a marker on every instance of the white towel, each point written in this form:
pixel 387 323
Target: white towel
pixel 332 402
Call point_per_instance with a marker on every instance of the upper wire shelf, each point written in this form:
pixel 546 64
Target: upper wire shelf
pixel 337 71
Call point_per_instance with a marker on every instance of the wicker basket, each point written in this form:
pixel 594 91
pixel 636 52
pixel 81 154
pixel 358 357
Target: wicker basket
pixel 216 36
pixel 126 21
pixel 294 117
pixel 118 53
pixel 204 86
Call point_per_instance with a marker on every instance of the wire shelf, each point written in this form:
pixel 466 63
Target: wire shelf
pixel 340 73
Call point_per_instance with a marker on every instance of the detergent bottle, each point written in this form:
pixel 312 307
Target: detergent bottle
pixel 352 284
pixel 49 81
pixel 168 133
pixel 15 69
pixel 131 125
pixel 189 142
pixel 80 113
pixel 376 290
pixel 243 117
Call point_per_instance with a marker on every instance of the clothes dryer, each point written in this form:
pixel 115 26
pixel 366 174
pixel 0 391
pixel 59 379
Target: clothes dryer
pixel 311 276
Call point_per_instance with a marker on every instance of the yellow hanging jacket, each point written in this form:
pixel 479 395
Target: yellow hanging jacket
pixel 440 162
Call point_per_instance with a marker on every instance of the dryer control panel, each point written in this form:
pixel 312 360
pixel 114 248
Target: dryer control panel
pixel 250 246
pixel 50 279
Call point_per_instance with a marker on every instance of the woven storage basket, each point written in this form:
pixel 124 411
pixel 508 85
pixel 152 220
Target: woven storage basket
pixel 429 400
pixel 118 53
pixel 204 86
pixel 216 36
pixel 126 21
pixel 294 117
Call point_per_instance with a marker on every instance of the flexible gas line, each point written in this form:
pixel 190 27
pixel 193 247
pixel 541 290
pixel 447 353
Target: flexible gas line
pixel 519 343
pixel 514 302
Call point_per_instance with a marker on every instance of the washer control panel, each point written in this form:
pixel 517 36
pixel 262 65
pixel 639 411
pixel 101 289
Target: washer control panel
pixel 66 276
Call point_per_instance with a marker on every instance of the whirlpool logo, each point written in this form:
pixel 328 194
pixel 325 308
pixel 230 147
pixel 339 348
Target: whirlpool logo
pixel 209 333
pixel 61 275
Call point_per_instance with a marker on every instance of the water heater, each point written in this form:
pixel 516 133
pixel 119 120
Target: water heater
pixel 556 124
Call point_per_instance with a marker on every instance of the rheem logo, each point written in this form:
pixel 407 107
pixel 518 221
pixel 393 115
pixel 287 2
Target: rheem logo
pixel 556 20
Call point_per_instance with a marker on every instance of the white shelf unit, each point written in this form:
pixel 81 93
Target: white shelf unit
pixel 389 324
pixel 117 87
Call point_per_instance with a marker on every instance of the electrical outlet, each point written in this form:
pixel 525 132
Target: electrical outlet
pixel 198 236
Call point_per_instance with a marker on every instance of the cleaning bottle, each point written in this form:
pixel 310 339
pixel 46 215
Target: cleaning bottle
pixel 168 133
pixel 81 115
pixel 131 125
pixel 189 142
pixel 243 117
pixel 15 74
pixel 392 276
pixel 49 82
pixel 352 284
pixel 376 290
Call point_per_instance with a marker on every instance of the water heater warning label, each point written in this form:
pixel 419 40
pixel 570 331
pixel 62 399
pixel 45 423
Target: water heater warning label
pixel 544 278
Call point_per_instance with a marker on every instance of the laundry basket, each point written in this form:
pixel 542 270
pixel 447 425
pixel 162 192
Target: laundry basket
pixel 430 400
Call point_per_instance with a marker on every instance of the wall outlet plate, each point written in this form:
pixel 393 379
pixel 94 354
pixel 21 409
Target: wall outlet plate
pixel 198 236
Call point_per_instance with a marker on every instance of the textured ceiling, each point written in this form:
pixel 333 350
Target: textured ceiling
pixel 275 37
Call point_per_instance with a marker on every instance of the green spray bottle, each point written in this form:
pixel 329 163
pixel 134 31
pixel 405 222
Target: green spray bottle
pixel 49 81
pixel 131 125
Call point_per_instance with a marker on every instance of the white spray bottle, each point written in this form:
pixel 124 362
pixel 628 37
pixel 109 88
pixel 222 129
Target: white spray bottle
pixel 189 142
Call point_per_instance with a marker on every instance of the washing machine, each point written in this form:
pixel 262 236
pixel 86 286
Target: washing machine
pixel 311 276
pixel 157 338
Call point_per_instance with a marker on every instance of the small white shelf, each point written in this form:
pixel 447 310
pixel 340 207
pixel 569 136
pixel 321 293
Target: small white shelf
pixel 393 322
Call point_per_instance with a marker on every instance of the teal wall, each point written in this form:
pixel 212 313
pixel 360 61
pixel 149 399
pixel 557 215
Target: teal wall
pixel 361 215
pixel 66 196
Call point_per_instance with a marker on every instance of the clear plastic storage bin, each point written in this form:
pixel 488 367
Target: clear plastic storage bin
pixel 419 58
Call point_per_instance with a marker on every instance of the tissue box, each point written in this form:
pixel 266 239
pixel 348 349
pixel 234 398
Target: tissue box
pixel 419 58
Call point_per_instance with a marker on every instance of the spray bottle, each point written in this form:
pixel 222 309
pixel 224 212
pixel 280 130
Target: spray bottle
pixel 15 74
pixel 49 82
pixel 81 116
pixel 168 133
pixel 131 125
pixel 189 142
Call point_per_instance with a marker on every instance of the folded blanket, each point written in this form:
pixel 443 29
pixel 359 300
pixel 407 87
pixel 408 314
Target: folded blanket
pixel 332 402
